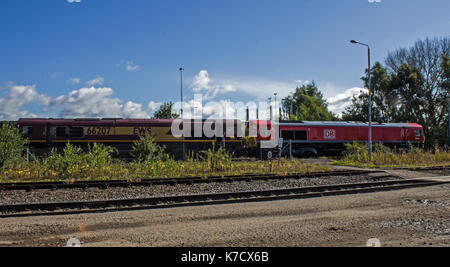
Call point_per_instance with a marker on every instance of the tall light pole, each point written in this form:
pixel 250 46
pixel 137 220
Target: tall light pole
pixel 370 97
pixel 270 107
pixel 181 79
pixel 275 94
pixel 448 96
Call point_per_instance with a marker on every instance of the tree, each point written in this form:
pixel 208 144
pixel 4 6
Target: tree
pixel 166 112
pixel 307 104
pixel 383 99
pixel 411 88
pixel 445 66
pixel 12 144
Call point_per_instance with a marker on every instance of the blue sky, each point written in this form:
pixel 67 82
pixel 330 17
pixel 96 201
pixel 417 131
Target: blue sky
pixel 117 57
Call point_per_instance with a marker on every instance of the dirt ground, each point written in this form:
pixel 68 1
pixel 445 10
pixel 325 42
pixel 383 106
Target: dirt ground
pixel 414 217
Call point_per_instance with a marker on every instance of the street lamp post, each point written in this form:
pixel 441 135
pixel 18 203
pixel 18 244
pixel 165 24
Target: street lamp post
pixel 270 107
pixel 182 115
pixel 275 94
pixel 181 79
pixel 370 97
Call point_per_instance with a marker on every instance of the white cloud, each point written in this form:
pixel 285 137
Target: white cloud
pixel 74 80
pixel 153 106
pixel 130 66
pixel 84 102
pixel 337 97
pixel 202 83
pixel 301 82
pixel 338 103
pixel 11 105
pixel 74 1
pixel 56 75
pixel 98 103
pixel 97 81
pixel 374 1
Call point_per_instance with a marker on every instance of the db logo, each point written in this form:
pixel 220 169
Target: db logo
pixel 329 134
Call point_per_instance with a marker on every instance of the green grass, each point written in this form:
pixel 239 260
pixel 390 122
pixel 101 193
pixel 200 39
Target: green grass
pixel 382 157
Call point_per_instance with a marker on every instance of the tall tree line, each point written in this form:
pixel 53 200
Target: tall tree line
pixel 412 86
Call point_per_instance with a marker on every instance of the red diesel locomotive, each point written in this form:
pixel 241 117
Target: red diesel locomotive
pixel 122 133
pixel 315 138
pixel 306 138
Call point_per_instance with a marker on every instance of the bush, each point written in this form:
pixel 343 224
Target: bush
pixel 380 148
pixel 219 160
pixel 12 144
pixel 356 152
pixel 382 156
pixel 75 162
pixel 147 150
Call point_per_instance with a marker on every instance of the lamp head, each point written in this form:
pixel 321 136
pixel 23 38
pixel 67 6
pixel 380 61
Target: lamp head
pixel 353 42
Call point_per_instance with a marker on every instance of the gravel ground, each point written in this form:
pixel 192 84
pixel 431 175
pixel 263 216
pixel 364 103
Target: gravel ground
pixel 411 218
pixel 40 196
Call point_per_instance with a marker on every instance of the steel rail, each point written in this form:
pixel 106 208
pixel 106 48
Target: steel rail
pixel 65 208
pixel 172 181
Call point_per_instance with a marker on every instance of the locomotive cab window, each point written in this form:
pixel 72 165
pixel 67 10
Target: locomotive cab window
pixel 76 132
pixel 417 133
pixel 301 135
pixel 295 135
pixel 287 135
pixel 27 130
pixel 61 132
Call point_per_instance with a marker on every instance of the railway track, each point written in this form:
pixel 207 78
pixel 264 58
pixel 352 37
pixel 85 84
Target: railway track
pixel 170 181
pixel 435 168
pixel 64 208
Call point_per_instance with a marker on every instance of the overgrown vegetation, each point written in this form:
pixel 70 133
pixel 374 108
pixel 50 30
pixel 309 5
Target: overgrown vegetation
pixel 147 150
pixel 356 154
pixel 12 144
pixel 97 163
pixel 219 160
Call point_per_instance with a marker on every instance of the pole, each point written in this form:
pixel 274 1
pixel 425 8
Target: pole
pixel 370 97
pixel 275 94
pixel 290 149
pixel 182 114
pixel 370 106
pixel 448 144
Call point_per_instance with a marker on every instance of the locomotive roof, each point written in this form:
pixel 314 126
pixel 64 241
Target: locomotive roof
pixel 347 124
pixel 118 120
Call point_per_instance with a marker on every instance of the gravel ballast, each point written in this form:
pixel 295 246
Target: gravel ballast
pixel 92 194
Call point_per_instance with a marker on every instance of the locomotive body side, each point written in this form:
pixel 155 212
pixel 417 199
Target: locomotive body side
pixel 48 133
pixel 315 138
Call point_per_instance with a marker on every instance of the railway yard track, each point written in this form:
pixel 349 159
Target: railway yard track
pixel 172 181
pixel 98 206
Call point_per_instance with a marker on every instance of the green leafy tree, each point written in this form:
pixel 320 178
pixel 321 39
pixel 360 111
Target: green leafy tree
pixel 166 112
pixel 412 87
pixel 383 99
pixel 12 144
pixel 307 104
pixel 147 150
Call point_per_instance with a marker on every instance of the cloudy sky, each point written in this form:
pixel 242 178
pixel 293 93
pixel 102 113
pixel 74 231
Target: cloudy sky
pixel 117 58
